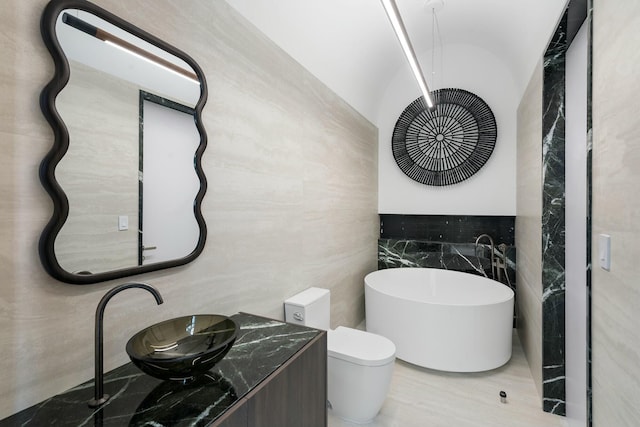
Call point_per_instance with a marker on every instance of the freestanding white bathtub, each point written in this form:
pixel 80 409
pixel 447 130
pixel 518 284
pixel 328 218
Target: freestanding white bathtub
pixel 441 319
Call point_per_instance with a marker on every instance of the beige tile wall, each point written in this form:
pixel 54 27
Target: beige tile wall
pixel 99 172
pixel 292 199
pixel 616 211
pixel 529 224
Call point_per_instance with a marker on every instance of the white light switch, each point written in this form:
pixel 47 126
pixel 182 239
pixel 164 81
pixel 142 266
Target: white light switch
pixel 604 251
pixel 123 222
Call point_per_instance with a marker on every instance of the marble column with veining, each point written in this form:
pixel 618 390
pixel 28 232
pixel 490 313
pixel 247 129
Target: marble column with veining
pixel 553 223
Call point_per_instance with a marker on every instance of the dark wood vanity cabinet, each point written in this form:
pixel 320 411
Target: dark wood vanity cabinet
pixel 295 395
pixel 234 417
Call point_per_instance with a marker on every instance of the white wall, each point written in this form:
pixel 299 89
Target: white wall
pixel 169 183
pixel 576 229
pixel 491 191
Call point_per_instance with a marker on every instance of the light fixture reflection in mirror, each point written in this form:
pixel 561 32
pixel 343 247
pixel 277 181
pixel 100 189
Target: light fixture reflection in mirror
pixel 94 172
pixel 131 48
pixel 117 52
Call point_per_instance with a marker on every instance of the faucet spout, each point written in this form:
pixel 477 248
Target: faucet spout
pixel 99 397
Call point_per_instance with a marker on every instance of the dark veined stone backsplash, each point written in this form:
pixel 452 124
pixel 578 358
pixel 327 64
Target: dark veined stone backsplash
pixel 448 242
pixel 394 253
pixel 448 228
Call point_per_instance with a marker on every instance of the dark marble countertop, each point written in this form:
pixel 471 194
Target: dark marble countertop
pixel 138 399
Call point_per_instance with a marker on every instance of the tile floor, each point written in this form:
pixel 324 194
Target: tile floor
pixel 422 397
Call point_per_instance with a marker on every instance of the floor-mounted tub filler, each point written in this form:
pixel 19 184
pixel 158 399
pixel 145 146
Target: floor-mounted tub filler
pixel 441 319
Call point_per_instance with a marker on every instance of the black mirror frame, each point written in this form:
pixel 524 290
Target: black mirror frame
pixel 61 144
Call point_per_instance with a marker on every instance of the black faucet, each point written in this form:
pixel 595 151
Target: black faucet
pixel 99 397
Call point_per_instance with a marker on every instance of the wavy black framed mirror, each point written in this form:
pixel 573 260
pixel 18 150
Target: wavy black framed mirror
pixel 124 172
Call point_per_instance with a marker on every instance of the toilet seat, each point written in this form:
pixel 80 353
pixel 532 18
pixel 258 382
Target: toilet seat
pixel 360 347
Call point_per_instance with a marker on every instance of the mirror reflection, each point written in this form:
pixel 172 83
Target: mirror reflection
pixel 129 172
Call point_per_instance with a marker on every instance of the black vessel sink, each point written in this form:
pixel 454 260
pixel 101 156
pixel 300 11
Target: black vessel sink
pixel 184 347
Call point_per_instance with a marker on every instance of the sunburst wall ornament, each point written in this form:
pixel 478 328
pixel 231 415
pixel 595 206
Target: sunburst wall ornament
pixel 446 144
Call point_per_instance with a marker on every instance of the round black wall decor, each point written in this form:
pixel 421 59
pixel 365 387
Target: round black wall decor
pixel 446 144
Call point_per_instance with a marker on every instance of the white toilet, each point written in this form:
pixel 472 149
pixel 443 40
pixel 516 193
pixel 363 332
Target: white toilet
pixel 360 363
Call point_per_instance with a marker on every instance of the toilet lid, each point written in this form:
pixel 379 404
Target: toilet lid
pixel 360 347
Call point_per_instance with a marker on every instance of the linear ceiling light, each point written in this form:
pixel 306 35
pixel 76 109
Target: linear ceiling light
pixel 391 9
pixel 112 40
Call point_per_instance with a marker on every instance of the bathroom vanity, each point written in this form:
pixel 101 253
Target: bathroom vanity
pixel 275 375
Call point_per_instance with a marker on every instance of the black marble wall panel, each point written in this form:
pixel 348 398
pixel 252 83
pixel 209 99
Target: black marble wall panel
pixel 447 228
pixel 553 223
pixel 466 257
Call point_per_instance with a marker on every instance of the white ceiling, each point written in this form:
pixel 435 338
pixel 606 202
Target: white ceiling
pixel 351 47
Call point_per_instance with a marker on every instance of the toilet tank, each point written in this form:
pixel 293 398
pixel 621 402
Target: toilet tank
pixel 311 307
